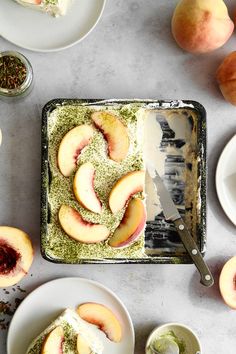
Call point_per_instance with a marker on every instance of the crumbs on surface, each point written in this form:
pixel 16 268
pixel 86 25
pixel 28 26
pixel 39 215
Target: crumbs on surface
pixel 56 243
pixel 7 309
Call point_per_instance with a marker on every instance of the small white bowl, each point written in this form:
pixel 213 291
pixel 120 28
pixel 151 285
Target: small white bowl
pixel 183 332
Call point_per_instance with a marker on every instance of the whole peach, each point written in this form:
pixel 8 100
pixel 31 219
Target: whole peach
pixel 201 26
pixel 226 78
pixel 227 282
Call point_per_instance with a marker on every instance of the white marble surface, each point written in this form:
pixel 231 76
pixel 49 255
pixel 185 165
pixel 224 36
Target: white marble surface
pixel 130 54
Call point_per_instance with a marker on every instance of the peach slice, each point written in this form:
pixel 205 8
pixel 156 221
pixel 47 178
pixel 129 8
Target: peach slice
pixel 115 133
pixel 227 283
pixel 82 346
pixel 131 225
pixel 70 148
pixel 36 2
pixel 53 343
pixel 125 187
pixel 103 318
pixel 84 188
pixel 74 226
pixel 16 255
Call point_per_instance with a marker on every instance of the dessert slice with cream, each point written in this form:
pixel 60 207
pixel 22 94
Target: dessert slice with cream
pixel 68 334
pixel 53 7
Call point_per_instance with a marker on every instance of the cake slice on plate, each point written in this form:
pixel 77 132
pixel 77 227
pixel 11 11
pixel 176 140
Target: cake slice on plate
pixel 68 334
pixel 53 7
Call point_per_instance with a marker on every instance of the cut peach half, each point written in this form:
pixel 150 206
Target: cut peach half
pixel 131 225
pixel 103 318
pixel 227 283
pixel 53 343
pixel 84 188
pixel 80 230
pixel 16 255
pixel 115 133
pixel 83 346
pixel 125 187
pixel 70 148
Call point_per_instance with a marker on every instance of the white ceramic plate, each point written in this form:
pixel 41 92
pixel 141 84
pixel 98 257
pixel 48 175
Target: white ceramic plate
pixel 45 303
pixel 226 180
pixel 38 31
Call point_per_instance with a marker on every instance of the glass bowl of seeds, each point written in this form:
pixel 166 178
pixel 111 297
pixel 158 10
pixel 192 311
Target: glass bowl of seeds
pixel 16 75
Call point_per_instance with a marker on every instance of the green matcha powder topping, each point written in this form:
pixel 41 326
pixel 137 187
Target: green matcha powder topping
pixel 57 244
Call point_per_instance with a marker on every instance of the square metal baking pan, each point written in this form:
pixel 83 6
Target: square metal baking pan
pixel 162 244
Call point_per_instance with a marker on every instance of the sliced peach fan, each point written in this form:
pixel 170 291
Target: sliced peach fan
pixel 79 229
pixel 83 186
pixel 114 132
pixel 16 255
pixel 131 226
pixel 102 317
pixel 125 187
pixel 71 146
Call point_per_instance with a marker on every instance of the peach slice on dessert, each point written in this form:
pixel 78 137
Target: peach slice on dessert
pixel 70 148
pixel 103 318
pixel 79 229
pixel 227 283
pixel 84 188
pixel 131 225
pixel 83 346
pixel 16 255
pixel 115 133
pixel 53 343
pixel 125 187
pixel 34 2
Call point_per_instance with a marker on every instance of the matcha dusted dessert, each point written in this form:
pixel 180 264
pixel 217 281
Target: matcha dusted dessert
pixel 68 334
pixel 53 7
pixel 96 193
pixel 93 198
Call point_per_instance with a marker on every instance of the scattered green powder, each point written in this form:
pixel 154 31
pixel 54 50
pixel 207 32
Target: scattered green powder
pixel 50 2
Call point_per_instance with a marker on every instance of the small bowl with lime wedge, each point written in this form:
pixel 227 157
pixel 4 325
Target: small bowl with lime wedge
pixel 173 338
